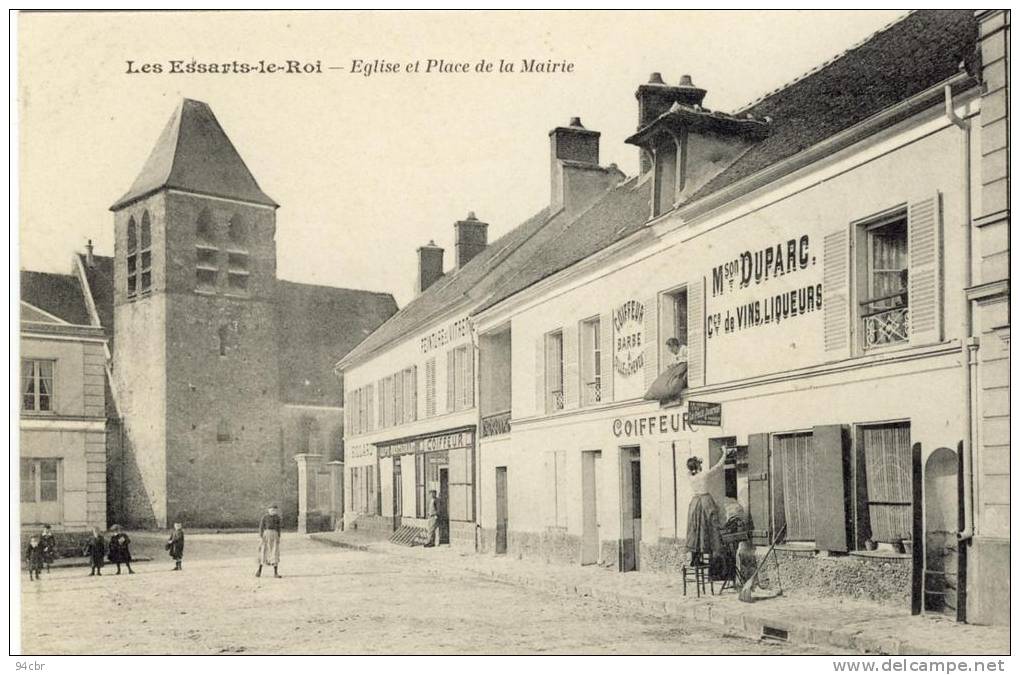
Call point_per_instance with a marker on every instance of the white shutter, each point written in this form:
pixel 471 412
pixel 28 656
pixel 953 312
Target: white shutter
pixel 836 293
pixel 430 387
pixel 607 356
pixel 924 276
pixel 696 333
pixel 469 376
pixel 651 338
pixel 570 370
pixel 540 375
pixel 369 404
pixel 667 491
pixel 451 380
pixel 414 393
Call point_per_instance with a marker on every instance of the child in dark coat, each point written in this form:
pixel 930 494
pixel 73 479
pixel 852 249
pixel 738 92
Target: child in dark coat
pixel 175 546
pixel 119 551
pixel 49 547
pixel 34 556
pixel 95 549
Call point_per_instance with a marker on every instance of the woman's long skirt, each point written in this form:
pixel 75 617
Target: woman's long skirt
pixel 703 525
pixel 269 549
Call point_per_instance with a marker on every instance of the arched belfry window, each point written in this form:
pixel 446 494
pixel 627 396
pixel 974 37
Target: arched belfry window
pixel 145 253
pixel 237 257
pixel 204 227
pixel 206 253
pixel 132 257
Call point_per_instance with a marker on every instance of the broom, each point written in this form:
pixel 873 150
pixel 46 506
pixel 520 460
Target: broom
pixel 745 591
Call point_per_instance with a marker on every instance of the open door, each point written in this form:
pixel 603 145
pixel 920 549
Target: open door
pixel 502 520
pixel 444 505
pixel 591 538
pixel 940 544
pixel 630 509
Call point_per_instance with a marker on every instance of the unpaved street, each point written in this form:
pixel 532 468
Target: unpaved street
pixel 333 601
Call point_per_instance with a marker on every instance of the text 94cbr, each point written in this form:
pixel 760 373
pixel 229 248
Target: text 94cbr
pixel 29 665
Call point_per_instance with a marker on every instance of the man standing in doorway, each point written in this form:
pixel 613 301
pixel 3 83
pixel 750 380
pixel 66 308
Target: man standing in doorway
pixel 432 513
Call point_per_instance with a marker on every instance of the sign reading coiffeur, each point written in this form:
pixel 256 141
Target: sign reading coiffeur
pixel 628 345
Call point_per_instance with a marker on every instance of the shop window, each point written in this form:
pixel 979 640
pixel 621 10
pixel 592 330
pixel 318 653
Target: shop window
pixel 37 385
pixel 794 489
pixel 132 257
pixel 554 371
pixel 591 361
pixel 145 255
pixel 673 328
pixel 886 483
pixel 40 480
pixel 884 307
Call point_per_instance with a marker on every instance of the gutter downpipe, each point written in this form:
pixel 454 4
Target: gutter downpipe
pixel 969 345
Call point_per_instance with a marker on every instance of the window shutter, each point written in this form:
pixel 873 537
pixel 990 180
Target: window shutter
pixel 430 387
pixel 831 463
pixel 924 276
pixel 414 393
pixel 451 380
pixel 696 333
pixel 759 505
pixel 651 338
pixel 540 375
pixel 469 376
pixel 382 404
pixel 571 376
pixel 668 524
pixel 369 401
pixel 606 334
pixel 835 289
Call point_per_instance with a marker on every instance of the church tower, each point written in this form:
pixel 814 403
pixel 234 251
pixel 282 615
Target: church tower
pixel 195 332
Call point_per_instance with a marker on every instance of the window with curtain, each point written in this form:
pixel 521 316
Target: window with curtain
pixel 37 385
pixel 554 371
pixel 795 493
pixel 884 303
pixel 591 361
pixel 888 480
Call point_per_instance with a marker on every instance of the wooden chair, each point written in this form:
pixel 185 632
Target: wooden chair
pixel 696 570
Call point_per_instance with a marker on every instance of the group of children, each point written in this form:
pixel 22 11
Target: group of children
pixel 42 550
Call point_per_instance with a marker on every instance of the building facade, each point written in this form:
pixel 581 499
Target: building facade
pixel 62 427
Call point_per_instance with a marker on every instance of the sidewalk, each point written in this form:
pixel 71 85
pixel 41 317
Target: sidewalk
pixel 863 627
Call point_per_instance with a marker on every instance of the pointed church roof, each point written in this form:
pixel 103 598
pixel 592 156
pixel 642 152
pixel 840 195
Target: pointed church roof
pixel 194 154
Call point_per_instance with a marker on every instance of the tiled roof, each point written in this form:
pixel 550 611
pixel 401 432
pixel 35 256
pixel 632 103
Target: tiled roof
pixel 621 212
pixel 100 280
pixel 194 154
pixel 57 294
pixel 466 286
pixel 318 325
pixel 913 54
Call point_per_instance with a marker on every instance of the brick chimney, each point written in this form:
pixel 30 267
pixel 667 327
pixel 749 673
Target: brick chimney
pixel 472 236
pixel 656 97
pixel 575 176
pixel 430 266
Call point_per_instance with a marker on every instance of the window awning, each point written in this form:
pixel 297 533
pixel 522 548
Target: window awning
pixel 668 385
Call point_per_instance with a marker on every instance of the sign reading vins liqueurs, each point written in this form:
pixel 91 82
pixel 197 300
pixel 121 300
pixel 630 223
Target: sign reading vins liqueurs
pixel 628 347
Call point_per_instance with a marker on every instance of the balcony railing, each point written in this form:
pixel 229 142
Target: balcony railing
pixel 593 392
pixel 556 399
pixel 496 424
pixel 884 324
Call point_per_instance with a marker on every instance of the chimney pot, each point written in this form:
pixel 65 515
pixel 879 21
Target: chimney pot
pixel 655 78
pixel 576 123
pixel 685 81
pixel 90 260
pixel 471 216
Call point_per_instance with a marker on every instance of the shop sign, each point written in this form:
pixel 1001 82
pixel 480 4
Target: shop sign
pixel 704 414
pixel 445 335
pixel 628 347
pixel 457 439
pixel 652 425
pixel 358 451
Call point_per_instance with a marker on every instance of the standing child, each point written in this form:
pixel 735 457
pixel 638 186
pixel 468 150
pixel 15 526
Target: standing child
pixel 49 547
pixel 34 556
pixel 119 551
pixel 95 549
pixel 175 546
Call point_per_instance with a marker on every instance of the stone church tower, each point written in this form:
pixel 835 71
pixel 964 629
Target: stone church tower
pixel 195 332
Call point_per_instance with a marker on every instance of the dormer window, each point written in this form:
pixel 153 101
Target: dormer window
pixel 666 174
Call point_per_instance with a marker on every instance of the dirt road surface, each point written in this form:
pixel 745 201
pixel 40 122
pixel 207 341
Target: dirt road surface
pixel 333 601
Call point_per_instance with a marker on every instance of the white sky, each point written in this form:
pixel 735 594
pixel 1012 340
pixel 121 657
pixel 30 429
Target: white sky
pixel 368 169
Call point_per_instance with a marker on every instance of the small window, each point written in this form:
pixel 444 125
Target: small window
pixel 206 279
pixel 223 434
pixel 40 480
pixel 238 231
pixel 206 258
pixel 146 254
pixel 237 282
pixel 36 385
pixel 665 177
pixel 237 262
pixel 132 257
pixel 884 311
pixel 221 334
pixel 554 371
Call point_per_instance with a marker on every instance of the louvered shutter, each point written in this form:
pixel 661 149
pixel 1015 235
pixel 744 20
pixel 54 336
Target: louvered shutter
pixel 469 377
pixel 696 333
pixel 651 338
pixel 606 334
pixel 836 292
pixel 924 277
pixel 381 417
pixel 571 377
pixel 540 375
pixel 451 380
pixel 759 504
pixel 414 393
pixel 369 404
pixel 829 448
pixel 430 387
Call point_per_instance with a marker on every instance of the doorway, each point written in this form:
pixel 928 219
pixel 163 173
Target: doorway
pixel 502 519
pixel 398 493
pixel 941 509
pixel 444 505
pixel 591 537
pixel 630 503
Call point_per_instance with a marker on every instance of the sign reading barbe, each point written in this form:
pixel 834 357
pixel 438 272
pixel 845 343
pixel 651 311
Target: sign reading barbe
pixel 629 328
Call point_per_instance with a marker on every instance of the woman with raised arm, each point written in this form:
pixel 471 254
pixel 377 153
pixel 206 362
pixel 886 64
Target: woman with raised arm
pixel 702 514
